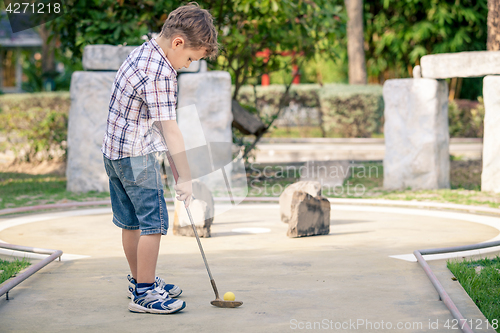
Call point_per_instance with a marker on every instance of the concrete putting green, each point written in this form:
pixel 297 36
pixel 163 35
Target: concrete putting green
pixel 345 281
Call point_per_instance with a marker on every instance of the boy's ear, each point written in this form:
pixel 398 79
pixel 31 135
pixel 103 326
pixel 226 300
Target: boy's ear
pixel 177 41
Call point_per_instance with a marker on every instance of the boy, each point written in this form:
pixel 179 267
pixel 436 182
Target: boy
pixel 141 123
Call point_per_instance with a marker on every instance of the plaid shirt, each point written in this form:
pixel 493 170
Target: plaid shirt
pixel 144 93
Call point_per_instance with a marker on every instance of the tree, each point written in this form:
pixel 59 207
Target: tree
pixel 493 43
pixel 355 42
pixel 48 54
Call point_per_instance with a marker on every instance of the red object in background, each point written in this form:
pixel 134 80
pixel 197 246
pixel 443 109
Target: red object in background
pixel 265 81
pixel 296 74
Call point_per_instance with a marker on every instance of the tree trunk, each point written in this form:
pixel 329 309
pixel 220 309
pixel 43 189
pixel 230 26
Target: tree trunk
pixel 48 48
pixel 493 43
pixel 355 42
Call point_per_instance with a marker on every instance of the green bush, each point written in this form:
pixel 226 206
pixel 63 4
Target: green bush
pixel 35 125
pixel 353 111
pixel 466 118
pixel 348 110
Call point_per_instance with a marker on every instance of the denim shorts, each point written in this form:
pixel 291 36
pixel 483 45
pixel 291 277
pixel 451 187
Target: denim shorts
pixel 137 195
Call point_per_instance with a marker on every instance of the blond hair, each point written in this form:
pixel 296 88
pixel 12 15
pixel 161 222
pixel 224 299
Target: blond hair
pixel 195 25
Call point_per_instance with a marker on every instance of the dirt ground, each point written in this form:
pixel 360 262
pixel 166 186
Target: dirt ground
pixel 42 168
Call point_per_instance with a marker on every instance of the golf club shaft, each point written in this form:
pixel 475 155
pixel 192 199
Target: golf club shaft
pixel 176 177
pixel 212 281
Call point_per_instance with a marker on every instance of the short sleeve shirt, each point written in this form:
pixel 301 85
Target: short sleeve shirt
pixel 144 93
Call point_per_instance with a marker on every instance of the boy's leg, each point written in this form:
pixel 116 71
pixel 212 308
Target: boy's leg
pixel 142 254
pixel 147 256
pixel 130 241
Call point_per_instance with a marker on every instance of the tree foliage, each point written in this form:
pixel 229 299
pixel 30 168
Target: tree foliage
pixel 304 27
pixel 399 32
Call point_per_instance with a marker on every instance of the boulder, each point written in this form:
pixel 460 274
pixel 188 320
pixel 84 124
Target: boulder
pixel 202 211
pixel 310 215
pixel 313 188
pixel 416 134
pixel 490 177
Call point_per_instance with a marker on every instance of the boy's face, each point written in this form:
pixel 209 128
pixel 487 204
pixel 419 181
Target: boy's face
pixel 181 56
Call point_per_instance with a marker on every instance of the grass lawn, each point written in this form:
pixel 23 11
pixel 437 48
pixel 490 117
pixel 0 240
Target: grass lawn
pixel 10 268
pixel 22 189
pixel 481 280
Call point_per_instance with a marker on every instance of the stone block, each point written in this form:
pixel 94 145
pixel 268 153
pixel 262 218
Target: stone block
pixel 313 188
pixel 202 211
pixel 310 215
pixel 416 134
pixel 103 57
pixel 90 93
pixel 460 64
pixel 490 177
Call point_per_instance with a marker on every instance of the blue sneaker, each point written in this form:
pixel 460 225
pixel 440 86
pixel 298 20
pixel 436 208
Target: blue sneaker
pixel 172 290
pixel 155 300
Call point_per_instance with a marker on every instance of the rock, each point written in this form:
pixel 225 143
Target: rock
pixel 416 134
pixel 313 188
pixel 202 211
pixel 90 93
pixel 204 116
pixel 460 64
pixel 103 57
pixel 310 215
pixel 490 177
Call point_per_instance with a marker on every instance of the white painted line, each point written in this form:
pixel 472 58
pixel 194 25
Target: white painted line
pixel 491 221
pixel 252 230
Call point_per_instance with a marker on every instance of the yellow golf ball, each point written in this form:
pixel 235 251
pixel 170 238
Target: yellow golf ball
pixel 229 296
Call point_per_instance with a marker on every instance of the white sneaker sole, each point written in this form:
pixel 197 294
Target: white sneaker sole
pixel 133 307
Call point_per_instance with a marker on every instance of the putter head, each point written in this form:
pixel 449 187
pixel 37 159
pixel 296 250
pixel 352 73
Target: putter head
pixel 225 304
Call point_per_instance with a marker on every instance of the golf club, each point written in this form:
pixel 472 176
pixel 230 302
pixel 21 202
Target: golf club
pixel 217 302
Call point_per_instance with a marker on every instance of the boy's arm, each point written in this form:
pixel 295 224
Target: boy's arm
pixel 175 144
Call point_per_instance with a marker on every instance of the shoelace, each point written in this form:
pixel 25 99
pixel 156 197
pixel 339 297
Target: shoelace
pixel 161 292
